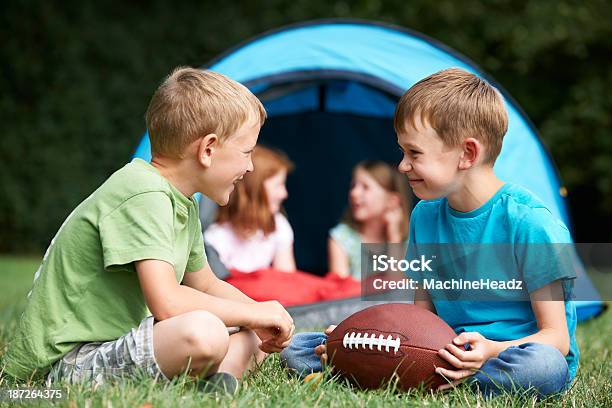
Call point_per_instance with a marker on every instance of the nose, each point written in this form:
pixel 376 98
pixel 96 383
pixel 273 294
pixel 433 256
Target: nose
pixel 250 167
pixel 405 165
pixel 284 194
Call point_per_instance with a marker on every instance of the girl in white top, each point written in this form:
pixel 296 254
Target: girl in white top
pixel 251 232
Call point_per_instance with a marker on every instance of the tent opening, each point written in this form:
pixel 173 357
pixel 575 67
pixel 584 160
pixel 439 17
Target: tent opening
pixel 325 127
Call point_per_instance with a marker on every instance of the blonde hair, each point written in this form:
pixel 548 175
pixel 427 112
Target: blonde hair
pixel 393 182
pixel 248 208
pixel 457 104
pixel 192 103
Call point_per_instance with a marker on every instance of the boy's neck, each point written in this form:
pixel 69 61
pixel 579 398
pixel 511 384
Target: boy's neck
pixel 477 187
pixel 172 170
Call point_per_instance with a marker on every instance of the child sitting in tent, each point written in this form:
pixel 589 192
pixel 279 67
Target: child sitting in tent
pixel 379 210
pixel 254 240
pixel 251 233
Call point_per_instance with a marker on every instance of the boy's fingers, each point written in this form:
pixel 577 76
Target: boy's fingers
pixel 460 340
pixel 449 385
pixel 286 343
pixel 285 330
pixel 270 346
pixel 454 374
pixel 287 317
pixel 287 338
pixel 457 363
pixel 466 337
pixel 330 329
pixel 463 355
pixel 450 358
pixel 282 338
pixel 277 341
pixel 292 330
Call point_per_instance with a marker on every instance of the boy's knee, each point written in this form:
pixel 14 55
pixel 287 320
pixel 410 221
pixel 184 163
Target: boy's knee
pixel 251 338
pixel 251 344
pixel 536 367
pixel 541 360
pixel 205 336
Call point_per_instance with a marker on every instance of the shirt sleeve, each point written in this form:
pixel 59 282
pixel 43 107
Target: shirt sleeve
pixel 214 236
pixel 412 247
pixel 411 226
pixel 197 255
pixel 340 234
pixel 140 228
pixel 284 232
pixel 543 250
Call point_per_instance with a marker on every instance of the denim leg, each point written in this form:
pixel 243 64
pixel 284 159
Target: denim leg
pixel 536 367
pixel 300 357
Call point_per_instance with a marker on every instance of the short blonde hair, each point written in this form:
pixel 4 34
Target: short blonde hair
pixel 457 104
pixel 192 103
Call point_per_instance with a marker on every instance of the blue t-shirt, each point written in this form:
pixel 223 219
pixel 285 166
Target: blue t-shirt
pixel 512 216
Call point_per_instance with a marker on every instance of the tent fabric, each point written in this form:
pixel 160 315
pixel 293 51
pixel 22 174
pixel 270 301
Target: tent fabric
pixel 394 59
pixel 330 89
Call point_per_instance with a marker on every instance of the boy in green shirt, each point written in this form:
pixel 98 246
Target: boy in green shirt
pixel 125 286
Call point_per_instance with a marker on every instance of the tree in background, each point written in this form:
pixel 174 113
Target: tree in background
pixel 76 79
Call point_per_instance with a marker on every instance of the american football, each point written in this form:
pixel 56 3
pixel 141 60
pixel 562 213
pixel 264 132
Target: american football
pixel 372 345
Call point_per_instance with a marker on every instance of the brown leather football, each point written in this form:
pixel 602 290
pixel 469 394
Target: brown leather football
pixel 371 345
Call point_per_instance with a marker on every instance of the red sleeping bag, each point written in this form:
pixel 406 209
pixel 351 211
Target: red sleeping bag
pixel 294 288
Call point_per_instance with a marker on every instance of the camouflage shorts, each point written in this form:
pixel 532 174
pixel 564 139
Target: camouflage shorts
pixel 131 355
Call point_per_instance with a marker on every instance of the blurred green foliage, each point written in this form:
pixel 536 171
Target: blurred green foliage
pixel 77 76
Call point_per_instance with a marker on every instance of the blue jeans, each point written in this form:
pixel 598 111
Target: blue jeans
pixel 536 367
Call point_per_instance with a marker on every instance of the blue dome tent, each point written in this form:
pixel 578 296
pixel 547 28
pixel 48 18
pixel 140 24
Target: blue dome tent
pixel 330 89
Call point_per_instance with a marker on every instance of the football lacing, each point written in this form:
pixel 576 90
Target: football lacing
pixel 365 340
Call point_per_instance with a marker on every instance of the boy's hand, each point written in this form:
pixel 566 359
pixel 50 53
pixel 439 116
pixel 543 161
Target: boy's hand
pixel 321 350
pixel 272 324
pixel 466 361
pixel 270 340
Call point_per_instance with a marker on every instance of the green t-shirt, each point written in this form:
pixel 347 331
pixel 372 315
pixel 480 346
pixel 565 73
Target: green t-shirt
pixel 87 288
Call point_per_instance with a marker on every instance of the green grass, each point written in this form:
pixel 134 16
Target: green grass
pixel 271 386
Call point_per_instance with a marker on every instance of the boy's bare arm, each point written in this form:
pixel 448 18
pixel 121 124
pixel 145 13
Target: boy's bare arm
pixel 552 325
pixel 550 315
pixel 166 298
pixel 206 281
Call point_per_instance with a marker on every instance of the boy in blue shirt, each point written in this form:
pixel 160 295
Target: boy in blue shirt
pixel 450 128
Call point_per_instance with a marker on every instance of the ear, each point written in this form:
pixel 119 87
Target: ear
pixel 472 150
pixel 206 148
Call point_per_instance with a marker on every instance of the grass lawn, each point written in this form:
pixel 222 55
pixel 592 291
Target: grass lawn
pixel 271 386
